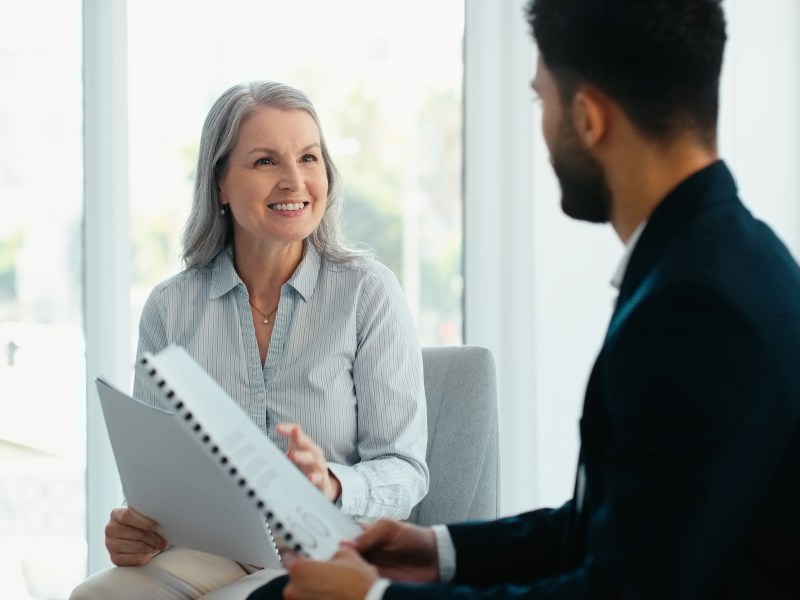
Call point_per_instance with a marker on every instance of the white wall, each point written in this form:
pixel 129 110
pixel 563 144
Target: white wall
pixel 760 111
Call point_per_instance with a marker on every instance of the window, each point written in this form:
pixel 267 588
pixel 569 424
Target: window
pixel 42 383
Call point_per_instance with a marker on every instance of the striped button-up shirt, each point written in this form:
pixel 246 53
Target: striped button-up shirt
pixel 344 362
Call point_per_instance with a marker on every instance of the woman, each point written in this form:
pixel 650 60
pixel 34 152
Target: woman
pixel 313 340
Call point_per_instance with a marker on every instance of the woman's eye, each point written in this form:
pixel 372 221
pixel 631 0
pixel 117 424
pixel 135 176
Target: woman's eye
pixel 265 161
pixel 309 158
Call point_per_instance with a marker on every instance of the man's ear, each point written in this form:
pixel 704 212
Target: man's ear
pixel 590 115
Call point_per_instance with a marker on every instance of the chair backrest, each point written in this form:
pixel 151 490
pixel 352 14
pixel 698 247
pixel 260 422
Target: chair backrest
pixel 462 455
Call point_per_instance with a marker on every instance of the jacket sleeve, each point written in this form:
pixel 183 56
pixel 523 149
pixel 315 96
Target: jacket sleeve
pixel 514 549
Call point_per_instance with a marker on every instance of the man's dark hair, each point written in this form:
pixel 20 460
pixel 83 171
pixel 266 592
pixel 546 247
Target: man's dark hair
pixel 660 60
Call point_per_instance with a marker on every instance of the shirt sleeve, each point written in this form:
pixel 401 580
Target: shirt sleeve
pixel 377 590
pixel 447 553
pixel 152 338
pixel 392 475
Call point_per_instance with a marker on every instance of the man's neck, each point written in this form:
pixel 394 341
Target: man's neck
pixel 641 174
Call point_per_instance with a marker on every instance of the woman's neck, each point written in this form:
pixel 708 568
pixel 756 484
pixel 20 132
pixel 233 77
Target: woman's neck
pixel 265 269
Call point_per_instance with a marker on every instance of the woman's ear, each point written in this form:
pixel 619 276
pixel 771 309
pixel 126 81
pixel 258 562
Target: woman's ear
pixel 589 115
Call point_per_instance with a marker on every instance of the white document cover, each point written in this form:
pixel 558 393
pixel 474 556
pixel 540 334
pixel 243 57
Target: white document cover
pixel 255 468
pixel 165 477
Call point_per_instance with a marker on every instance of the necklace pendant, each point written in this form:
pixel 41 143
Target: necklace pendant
pixel 266 321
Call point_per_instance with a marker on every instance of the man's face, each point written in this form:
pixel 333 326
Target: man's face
pixel 584 193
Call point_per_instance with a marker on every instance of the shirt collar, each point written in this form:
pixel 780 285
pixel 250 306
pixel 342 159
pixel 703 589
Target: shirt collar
pixel 616 280
pixel 223 275
pixel 304 279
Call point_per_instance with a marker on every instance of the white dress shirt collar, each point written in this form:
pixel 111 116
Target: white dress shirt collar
pixel 616 280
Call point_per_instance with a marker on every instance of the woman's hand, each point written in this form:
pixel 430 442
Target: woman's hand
pixel 131 538
pixel 310 459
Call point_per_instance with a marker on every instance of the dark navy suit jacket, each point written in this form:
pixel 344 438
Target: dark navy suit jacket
pixel 690 435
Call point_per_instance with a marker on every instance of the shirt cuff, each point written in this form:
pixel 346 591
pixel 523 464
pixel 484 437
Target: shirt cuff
pixel 354 489
pixel 377 590
pixel 447 553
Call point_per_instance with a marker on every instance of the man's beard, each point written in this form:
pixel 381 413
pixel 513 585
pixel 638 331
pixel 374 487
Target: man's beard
pixel 584 192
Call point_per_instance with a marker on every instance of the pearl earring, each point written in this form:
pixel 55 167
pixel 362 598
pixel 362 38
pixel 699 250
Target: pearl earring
pixel 223 210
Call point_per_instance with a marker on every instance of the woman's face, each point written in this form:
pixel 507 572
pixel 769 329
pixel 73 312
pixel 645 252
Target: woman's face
pixel 275 183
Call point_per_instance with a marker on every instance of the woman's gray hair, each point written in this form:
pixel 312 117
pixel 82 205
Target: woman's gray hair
pixel 207 232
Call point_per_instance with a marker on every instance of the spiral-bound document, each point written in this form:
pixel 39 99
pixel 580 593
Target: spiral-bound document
pixel 296 511
pixel 166 477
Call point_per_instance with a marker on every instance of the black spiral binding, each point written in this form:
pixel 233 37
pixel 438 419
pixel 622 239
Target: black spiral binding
pixel 272 522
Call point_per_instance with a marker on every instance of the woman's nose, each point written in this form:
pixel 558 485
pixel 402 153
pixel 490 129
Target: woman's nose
pixel 291 177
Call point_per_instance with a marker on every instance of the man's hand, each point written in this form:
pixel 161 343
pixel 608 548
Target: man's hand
pixel 346 576
pixel 131 538
pixel 401 551
pixel 310 459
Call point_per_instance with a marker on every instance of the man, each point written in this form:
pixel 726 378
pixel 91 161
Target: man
pixel 689 477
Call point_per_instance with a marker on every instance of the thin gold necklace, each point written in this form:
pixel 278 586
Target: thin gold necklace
pixel 267 316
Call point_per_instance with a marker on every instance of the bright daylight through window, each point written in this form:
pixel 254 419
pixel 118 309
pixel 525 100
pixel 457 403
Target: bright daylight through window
pixel 42 387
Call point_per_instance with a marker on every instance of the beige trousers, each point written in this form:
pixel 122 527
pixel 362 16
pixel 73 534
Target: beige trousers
pixel 176 574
